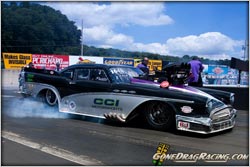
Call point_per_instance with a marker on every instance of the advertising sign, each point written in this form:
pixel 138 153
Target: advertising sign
pixel 136 62
pixel 118 61
pixel 16 60
pixel 155 65
pixel 217 70
pixel 49 61
pixel 205 68
pixel 152 64
pixel 85 59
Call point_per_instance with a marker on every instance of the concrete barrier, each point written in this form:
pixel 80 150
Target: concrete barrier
pixel 241 95
pixel 10 80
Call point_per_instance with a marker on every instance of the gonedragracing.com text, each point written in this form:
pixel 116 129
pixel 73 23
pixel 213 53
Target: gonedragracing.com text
pixel 182 157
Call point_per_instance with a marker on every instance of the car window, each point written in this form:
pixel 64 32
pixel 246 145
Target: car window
pixel 98 75
pixel 83 74
pixel 68 74
pixel 124 74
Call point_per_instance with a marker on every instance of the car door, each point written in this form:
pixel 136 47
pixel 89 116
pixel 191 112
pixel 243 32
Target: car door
pixel 67 85
pixel 81 80
pixel 92 80
pixel 93 87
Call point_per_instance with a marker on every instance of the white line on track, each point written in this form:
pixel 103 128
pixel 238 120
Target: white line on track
pixel 8 96
pixel 55 151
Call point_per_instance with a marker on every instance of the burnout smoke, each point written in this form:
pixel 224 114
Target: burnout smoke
pixel 21 108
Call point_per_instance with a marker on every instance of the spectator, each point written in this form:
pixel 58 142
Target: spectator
pixel 144 65
pixel 196 69
pixel 57 66
pixel 31 65
pixel 21 78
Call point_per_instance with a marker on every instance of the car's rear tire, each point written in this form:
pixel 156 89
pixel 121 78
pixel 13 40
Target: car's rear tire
pixel 159 116
pixel 50 98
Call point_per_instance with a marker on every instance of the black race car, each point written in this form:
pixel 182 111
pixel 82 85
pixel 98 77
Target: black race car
pixel 121 93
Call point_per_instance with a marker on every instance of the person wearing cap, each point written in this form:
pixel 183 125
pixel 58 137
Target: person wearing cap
pixel 196 69
pixel 57 66
pixel 31 65
pixel 144 65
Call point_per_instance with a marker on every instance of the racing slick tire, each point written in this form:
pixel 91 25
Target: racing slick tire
pixel 50 98
pixel 160 116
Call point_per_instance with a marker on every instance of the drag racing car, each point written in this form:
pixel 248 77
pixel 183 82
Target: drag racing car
pixel 121 93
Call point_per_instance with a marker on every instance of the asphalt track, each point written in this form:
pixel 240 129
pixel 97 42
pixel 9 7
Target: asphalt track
pixel 35 135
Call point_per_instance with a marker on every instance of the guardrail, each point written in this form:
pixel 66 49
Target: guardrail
pixel 227 86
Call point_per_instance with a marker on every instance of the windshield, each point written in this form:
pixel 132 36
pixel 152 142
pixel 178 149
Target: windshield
pixel 124 74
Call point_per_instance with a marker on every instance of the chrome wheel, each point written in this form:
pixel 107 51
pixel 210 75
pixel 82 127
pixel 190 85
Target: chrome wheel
pixel 160 116
pixel 50 98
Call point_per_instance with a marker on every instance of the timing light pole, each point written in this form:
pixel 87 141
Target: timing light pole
pixel 245 48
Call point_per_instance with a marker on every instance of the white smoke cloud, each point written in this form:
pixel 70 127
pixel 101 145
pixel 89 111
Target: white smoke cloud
pixel 26 108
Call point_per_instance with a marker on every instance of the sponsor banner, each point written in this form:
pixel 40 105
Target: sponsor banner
pixel 118 61
pixel 16 60
pixel 136 62
pixel 217 70
pixel 155 65
pixel 152 64
pixel 46 61
pixel 85 60
pixel 205 68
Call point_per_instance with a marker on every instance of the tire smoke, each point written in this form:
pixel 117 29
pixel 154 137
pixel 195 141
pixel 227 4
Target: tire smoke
pixel 23 108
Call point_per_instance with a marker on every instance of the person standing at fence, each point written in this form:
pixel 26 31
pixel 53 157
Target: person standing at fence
pixel 144 65
pixel 58 66
pixel 196 69
pixel 31 65
pixel 21 78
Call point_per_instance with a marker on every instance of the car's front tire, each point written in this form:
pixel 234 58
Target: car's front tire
pixel 159 116
pixel 50 98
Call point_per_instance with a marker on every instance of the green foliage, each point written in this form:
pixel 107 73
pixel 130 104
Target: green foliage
pixel 32 28
pixel 187 58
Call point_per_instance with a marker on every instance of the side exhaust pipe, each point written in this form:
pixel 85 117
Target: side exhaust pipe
pixel 115 117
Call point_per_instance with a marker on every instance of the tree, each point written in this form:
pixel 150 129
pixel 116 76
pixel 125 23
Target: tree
pixel 32 28
pixel 186 58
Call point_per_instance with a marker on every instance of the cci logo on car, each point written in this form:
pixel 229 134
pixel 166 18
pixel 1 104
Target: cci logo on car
pixel 106 102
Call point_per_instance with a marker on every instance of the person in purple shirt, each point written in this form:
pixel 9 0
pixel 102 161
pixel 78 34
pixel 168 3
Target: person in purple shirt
pixel 196 69
pixel 144 65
